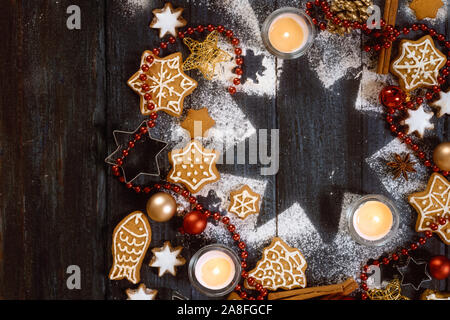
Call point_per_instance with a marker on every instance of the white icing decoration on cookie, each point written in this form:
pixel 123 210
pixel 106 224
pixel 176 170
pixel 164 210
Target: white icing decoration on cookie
pixel 419 121
pixel 141 293
pixel 168 20
pixel 443 103
pixel 166 259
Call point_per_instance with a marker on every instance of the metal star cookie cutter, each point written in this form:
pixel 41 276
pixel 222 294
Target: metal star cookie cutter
pixel 404 272
pixel 111 159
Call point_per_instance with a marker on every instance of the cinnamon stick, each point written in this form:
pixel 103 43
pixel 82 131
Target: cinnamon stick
pixel 390 16
pixel 343 288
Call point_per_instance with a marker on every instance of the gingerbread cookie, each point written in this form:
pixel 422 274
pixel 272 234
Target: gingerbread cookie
pixel 281 267
pixel 162 84
pixel 443 104
pixel 433 204
pixel 418 63
pixel 198 122
pixel 131 239
pixel 418 121
pixel 244 202
pixel 167 259
pixel 168 20
pixel 426 8
pixel 193 166
pixel 429 294
pixel 141 293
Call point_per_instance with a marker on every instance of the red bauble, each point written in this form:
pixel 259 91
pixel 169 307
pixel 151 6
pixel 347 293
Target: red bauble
pixel 392 96
pixel 439 267
pixel 194 222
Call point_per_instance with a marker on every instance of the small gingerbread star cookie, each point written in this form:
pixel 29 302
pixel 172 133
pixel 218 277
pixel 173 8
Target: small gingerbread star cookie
pixel 443 104
pixel 166 259
pixel 198 122
pixel 418 121
pixel 426 8
pixel 244 202
pixel 193 166
pixel 141 293
pixel 168 20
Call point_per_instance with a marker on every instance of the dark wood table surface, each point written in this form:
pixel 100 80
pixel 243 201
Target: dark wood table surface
pixel 64 92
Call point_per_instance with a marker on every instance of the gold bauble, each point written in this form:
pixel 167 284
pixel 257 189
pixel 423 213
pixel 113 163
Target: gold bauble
pixel 161 207
pixel 441 156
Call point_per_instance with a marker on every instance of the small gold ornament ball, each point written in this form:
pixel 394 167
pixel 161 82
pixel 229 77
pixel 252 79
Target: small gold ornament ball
pixel 161 207
pixel 441 156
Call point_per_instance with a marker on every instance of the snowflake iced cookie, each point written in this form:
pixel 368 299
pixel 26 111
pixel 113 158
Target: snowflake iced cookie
pixel 429 294
pixel 193 166
pixel 198 122
pixel 162 84
pixel 168 20
pixel 418 63
pixel 167 259
pixel 281 267
pixel 131 239
pixel 244 202
pixel 443 104
pixel 433 204
pixel 426 8
pixel 418 121
pixel 141 293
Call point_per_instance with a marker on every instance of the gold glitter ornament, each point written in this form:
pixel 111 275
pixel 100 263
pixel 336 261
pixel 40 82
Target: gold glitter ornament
pixel 351 10
pixel 205 55
pixel 392 291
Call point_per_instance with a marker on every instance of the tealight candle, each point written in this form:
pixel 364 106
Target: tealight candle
pixel 373 219
pixel 214 270
pixel 288 32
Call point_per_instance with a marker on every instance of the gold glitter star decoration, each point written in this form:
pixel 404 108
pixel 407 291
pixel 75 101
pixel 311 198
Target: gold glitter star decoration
pixel 392 291
pixel 205 55
pixel 401 166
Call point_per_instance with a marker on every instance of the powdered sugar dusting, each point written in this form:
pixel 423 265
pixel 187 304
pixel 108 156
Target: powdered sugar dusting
pixel 131 7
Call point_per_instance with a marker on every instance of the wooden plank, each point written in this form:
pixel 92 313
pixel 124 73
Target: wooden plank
pixel 52 127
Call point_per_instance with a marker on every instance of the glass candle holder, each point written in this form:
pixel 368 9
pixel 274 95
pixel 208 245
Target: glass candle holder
pixel 288 33
pixel 214 270
pixel 372 220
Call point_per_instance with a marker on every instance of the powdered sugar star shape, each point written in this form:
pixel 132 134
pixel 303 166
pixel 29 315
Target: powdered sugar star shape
pixel 418 121
pixel 244 202
pixel 443 104
pixel 167 20
pixel 166 259
pixel 141 293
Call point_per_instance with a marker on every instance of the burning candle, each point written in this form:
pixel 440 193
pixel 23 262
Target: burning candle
pixel 288 32
pixel 214 270
pixel 373 220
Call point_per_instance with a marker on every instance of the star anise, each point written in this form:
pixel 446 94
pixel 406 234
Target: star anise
pixel 402 166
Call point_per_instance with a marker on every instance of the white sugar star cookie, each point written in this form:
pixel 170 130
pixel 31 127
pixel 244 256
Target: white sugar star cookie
pixel 166 259
pixel 141 293
pixel 418 121
pixel 244 202
pixel 443 104
pixel 167 20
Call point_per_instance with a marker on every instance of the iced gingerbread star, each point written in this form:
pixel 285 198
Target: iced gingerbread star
pixel 418 63
pixel 162 84
pixel 433 204
pixel 193 166
pixel 141 293
pixel 205 55
pixel 443 104
pixel 168 20
pixel 418 121
pixel 244 202
pixel 167 259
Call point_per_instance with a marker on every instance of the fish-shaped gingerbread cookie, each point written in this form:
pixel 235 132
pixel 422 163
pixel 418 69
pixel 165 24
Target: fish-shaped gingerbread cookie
pixel 131 239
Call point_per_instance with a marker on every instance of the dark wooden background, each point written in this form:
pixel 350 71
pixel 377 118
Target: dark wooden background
pixel 64 92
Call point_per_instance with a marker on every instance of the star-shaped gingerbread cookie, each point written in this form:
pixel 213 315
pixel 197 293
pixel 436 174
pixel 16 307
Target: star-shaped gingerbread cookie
pixel 162 84
pixel 205 55
pixel 418 63
pixel 167 259
pixel 426 8
pixel 433 204
pixel 198 122
pixel 168 20
pixel 418 121
pixel 141 293
pixel 244 202
pixel 443 104
pixel 193 166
